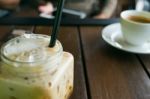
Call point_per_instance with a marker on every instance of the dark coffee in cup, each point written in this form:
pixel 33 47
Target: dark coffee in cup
pixel 139 19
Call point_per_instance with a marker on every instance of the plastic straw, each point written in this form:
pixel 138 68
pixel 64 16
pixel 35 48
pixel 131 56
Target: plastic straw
pixel 56 23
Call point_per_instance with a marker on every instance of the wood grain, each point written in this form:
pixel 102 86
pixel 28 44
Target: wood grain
pixel 112 74
pixel 145 61
pixel 4 33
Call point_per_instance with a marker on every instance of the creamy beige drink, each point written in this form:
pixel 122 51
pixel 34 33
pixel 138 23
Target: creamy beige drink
pixel 31 70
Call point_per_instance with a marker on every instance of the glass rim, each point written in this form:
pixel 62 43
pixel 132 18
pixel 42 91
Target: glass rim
pixel 126 13
pixel 35 61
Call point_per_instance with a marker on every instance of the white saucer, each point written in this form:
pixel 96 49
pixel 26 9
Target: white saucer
pixel 112 35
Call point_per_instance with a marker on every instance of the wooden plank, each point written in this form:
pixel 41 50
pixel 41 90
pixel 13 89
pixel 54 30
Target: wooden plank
pixel 4 33
pixel 69 39
pixel 43 30
pixel 26 28
pixel 112 74
pixel 145 60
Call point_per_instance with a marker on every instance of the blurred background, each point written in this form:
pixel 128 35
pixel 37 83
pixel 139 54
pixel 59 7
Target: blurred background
pixel 97 9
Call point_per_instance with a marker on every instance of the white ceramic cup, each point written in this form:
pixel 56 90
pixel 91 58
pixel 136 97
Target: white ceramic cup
pixel 135 33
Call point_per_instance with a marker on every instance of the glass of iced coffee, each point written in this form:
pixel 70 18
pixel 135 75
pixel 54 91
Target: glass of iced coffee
pixel 31 70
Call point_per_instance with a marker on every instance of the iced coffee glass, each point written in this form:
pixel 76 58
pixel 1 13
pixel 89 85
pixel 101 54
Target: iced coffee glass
pixel 31 70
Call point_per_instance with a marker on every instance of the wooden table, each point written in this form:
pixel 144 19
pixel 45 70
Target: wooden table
pixel 101 71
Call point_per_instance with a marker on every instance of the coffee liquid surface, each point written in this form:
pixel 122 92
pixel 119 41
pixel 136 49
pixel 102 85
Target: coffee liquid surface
pixel 139 19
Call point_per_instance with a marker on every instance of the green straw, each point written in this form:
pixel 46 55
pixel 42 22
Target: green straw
pixel 56 23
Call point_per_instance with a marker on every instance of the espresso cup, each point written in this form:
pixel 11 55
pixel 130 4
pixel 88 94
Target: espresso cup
pixel 135 26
